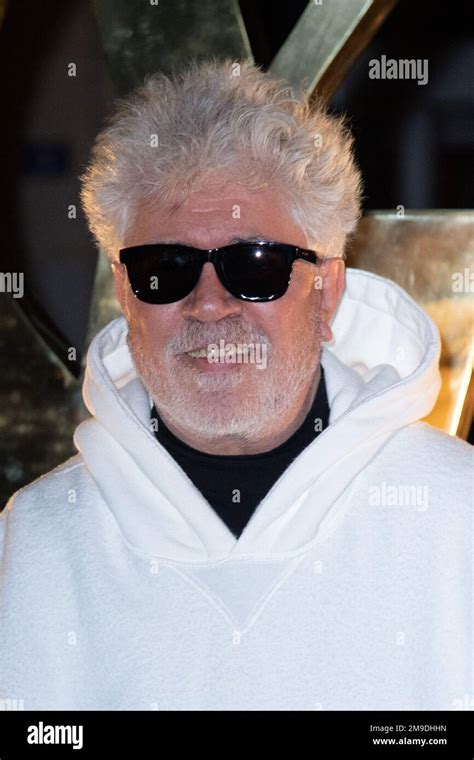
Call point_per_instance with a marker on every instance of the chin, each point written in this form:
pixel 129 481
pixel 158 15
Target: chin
pixel 222 383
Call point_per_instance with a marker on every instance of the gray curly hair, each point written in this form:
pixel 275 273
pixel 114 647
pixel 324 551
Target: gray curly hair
pixel 172 131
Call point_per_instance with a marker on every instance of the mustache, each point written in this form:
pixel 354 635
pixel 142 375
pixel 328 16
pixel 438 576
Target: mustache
pixel 198 335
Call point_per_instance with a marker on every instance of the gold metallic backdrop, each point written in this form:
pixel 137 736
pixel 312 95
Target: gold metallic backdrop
pixel 429 253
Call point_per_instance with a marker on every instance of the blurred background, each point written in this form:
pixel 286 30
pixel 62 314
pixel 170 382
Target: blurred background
pixel 414 144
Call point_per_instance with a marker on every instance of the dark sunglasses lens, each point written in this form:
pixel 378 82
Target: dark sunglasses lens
pixel 255 272
pixel 162 275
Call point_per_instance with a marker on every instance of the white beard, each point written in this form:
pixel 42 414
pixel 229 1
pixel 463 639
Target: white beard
pixel 247 403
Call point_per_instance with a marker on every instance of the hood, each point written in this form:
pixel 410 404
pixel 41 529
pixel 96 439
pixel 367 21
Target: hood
pixel 382 373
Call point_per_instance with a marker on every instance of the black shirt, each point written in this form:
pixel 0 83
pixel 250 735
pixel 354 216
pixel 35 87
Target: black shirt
pixel 235 484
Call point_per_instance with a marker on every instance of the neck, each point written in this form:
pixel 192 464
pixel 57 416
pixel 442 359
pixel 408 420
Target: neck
pixel 235 445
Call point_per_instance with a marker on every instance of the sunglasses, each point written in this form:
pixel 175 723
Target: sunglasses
pixel 162 273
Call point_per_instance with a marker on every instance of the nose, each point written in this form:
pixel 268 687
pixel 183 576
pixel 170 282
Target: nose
pixel 210 301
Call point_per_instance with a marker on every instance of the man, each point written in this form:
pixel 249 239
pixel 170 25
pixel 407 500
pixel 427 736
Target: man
pixel 256 517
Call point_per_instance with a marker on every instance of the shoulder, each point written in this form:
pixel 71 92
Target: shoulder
pixel 423 454
pixel 45 517
pixel 48 496
pixel 433 444
pixel 47 485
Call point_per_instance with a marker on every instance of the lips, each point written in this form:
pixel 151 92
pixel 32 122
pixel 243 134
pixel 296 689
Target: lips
pixel 228 353
pixel 204 364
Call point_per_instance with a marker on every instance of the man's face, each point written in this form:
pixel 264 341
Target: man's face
pixel 247 400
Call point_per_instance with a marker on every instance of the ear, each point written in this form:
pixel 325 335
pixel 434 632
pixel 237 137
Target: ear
pixel 121 284
pixel 332 271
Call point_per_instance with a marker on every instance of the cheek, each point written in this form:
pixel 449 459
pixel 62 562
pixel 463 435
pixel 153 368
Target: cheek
pixel 288 318
pixel 277 322
pixel 154 324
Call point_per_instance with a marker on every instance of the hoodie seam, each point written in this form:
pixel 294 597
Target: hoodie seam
pixel 259 605
pixel 168 561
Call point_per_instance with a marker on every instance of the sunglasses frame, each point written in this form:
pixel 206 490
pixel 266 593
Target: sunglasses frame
pixel 215 256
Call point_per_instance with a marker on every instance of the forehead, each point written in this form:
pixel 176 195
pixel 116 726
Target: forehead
pixel 211 217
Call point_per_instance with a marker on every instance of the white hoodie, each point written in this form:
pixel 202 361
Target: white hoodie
pixel 349 589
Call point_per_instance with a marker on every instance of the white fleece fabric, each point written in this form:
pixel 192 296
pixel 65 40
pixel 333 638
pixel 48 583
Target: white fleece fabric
pixel 349 589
